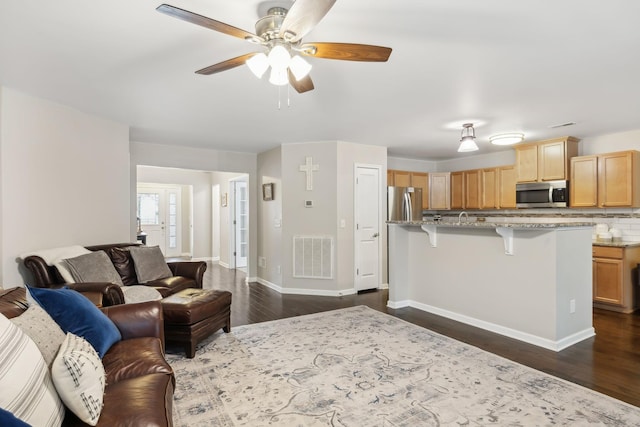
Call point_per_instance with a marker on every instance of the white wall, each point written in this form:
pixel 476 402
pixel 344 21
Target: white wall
pixel 621 141
pixel 413 165
pixel 65 179
pixel 270 217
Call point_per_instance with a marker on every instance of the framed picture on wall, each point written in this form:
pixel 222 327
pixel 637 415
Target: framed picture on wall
pixel 267 191
pixel 223 199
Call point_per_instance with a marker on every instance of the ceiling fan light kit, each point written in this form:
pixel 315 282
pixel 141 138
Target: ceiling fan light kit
pixel 281 32
pixel 506 138
pixel 467 139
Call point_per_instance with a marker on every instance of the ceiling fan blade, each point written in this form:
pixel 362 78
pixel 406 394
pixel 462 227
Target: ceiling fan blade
pixel 203 21
pixel 302 17
pixel 226 65
pixel 346 51
pixel 301 86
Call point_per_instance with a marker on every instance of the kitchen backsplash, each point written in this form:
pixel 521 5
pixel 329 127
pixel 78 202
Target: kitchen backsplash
pixel 626 220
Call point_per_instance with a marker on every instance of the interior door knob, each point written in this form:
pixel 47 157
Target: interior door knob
pixel 375 235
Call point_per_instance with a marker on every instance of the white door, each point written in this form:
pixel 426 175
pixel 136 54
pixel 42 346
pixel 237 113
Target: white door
pixel 367 227
pixel 158 208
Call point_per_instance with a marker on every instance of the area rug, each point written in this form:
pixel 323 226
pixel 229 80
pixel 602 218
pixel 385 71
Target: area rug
pixel 359 367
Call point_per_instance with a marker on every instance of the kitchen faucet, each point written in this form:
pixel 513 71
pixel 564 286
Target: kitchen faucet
pixel 460 217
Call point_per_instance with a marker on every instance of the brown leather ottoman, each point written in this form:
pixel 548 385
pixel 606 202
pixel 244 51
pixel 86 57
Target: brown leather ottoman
pixel 191 315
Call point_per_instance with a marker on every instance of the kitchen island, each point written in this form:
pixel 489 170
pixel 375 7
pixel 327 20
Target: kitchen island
pixel 529 281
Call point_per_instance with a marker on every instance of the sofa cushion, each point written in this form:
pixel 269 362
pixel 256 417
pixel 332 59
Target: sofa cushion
pixel 43 331
pixel 135 357
pixel 140 293
pixel 27 389
pixel 149 263
pixel 75 313
pixel 123 263
pixel 93 267
pixel 79 377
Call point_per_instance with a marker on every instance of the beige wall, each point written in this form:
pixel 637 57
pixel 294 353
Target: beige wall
pixel 270 217
pixel 65 179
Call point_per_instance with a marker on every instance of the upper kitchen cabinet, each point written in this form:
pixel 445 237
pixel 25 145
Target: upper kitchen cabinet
pixel 545 160
pixel 489 188
pixel 507 187
pixel 400 178
pixel 457 190
pixel 439 190
pixel 606 180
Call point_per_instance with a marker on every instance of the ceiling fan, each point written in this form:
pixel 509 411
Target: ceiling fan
pixel 281 32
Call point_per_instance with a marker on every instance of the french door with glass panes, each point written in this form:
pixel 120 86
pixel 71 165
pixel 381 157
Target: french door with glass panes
pixel 158 207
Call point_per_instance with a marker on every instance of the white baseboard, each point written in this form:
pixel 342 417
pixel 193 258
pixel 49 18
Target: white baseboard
pixel 384 286
pixel 302 291
pixel 556 345
pixel 206 259
pixel 215 259
pixel 223 264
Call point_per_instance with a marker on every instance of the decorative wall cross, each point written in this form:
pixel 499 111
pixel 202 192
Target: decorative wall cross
pixel 308 168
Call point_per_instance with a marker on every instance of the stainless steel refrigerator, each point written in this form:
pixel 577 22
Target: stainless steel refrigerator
pixel 404 204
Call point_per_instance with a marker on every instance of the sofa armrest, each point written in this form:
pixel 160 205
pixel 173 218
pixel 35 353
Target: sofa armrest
pixel 138 320
pixel 111 293
pixel 190 269
pixel 44 276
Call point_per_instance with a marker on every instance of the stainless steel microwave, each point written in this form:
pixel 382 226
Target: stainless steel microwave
pixel 549 194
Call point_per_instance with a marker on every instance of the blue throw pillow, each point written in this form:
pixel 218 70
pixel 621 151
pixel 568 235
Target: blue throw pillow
pixel 74 313
pixel 7 419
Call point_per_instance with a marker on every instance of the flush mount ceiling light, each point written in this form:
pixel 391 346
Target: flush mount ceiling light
pixel 467 140
pixel 506 138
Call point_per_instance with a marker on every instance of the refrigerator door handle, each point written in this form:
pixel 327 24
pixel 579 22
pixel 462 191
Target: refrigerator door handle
pixel 408 210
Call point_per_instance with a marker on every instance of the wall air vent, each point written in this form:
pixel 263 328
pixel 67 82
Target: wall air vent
pixel 313 257
pixel 562 125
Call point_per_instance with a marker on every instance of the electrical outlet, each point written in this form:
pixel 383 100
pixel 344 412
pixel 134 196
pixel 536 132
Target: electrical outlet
pixel 572 306
pixel 262 262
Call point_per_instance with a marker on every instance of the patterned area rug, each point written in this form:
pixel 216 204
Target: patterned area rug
pixel 359 367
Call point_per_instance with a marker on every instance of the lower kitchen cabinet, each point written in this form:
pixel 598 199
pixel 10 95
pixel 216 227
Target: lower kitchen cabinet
pixel 613 277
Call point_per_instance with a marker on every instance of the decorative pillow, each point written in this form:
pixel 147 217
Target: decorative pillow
pixel 93 267
pixel 75 313
pixel 43 331
pixel 79 377
pixel 27 389
pixel 149 263
pixel 140 293
pixel 7 419
pixel 123 263
pixel 62 268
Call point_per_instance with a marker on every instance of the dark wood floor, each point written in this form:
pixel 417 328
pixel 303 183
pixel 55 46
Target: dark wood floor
pixel 608 363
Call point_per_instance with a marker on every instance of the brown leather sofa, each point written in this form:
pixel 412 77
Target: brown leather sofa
pixel 186 274
pixel 140 382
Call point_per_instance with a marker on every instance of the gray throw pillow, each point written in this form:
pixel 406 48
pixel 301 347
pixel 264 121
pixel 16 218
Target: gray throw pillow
pixel 149 263
pixel 93 267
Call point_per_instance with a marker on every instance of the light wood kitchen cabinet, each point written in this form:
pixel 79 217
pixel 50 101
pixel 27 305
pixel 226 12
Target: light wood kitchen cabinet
pixel 457 190
pixel 507 187
pixel 472 189
pixel 583 184
pixel 545 160
pixel 400 178
pixel 489 188
pixel 439 190
pixel 605 180
pixel 421 180
pixel 613 286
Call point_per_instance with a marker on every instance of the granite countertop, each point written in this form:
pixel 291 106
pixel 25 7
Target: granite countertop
pixel 494 224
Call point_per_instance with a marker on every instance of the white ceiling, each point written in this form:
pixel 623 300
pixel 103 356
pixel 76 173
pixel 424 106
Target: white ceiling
pixel 505 65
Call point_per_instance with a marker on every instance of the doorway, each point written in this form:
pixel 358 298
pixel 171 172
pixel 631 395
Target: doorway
pixel 367 227
pixel 159 210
